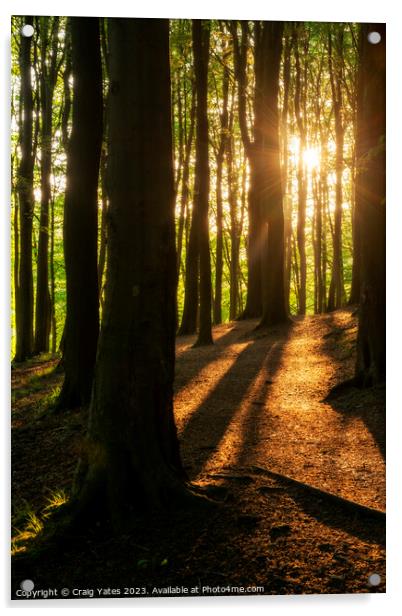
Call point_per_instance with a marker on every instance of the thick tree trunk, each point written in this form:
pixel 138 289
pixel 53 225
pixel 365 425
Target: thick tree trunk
pixel 274 302
pixel 201 33
pixel 370 192
pixel 133 462
pixel 80 215
pixel 24 304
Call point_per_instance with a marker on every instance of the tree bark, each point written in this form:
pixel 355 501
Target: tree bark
pixel 223 144
pixel 24 305
pixel 132 462
pixel 256 235
pixel 185 189
pixel 300 93
pixel 337 292
pixel 286 180
pixel 234 224
pixel 201 34
pixel 80 215
pixel 271 204
pixel 356 266
pixel 103 224
pixel 48 77
pixel 370 192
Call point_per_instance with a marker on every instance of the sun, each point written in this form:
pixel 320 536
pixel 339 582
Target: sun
pixel 311 158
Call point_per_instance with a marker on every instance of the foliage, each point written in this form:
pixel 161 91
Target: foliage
pixel 318 155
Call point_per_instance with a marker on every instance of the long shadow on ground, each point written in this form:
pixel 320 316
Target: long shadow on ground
pixel 366 404
pixel 207 425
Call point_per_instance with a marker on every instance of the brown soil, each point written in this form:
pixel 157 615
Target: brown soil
pixel 250 412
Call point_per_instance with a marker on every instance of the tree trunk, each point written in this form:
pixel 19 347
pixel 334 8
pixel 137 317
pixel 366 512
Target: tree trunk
pixel 337 292
pixel 356 224
pixel 24 305
pixel 201 33
pixel 256 235
pixel 52 281
pixel 234 226
pixel 65 131
pixel 185 189
pixel 224 117
pixel 274 303
pixel 190 308
pixel 103 224
pixel 286 180
pixel 133 462
pixel 48 77
pixel 318 227
pixel 300 93
pixel 80 215
pixel 189 317
pixel 370 192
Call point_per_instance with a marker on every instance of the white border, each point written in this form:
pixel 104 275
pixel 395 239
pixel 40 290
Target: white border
pixel 314 10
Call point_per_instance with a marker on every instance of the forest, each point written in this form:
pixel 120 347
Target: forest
pixel 197 306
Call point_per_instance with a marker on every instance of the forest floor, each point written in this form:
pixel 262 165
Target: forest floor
pixel 254 428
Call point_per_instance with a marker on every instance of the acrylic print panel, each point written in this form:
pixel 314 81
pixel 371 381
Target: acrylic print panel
pixel 198 305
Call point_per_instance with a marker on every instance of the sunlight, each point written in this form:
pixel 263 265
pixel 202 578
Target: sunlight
pixel 311 157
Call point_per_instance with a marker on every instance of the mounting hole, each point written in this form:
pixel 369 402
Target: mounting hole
pixel 374 38
pixel 27 585
pixel 374 579
pixel 27 30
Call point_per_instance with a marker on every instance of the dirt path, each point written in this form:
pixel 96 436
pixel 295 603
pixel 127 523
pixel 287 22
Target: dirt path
pixel 256 399
pixel 252 400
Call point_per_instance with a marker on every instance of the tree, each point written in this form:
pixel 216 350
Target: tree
pixel 255 225
pixel 201 34
pixel 132 459
pixel 80 214
pixel 220 155
pixel 301 120
pixel 370 194
pixel 286 74
pixel 24 284
pixel 198 261
pixel 270 184
pixel 49 70
pixel 336 293
pixel 358 109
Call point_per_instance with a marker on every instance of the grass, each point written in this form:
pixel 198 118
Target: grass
pixel 31 524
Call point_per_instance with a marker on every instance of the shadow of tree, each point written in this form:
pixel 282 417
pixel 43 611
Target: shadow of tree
pixel 355 522
pixel 188 362
pixel 339 344
pixel 369 406
pixel 198 441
